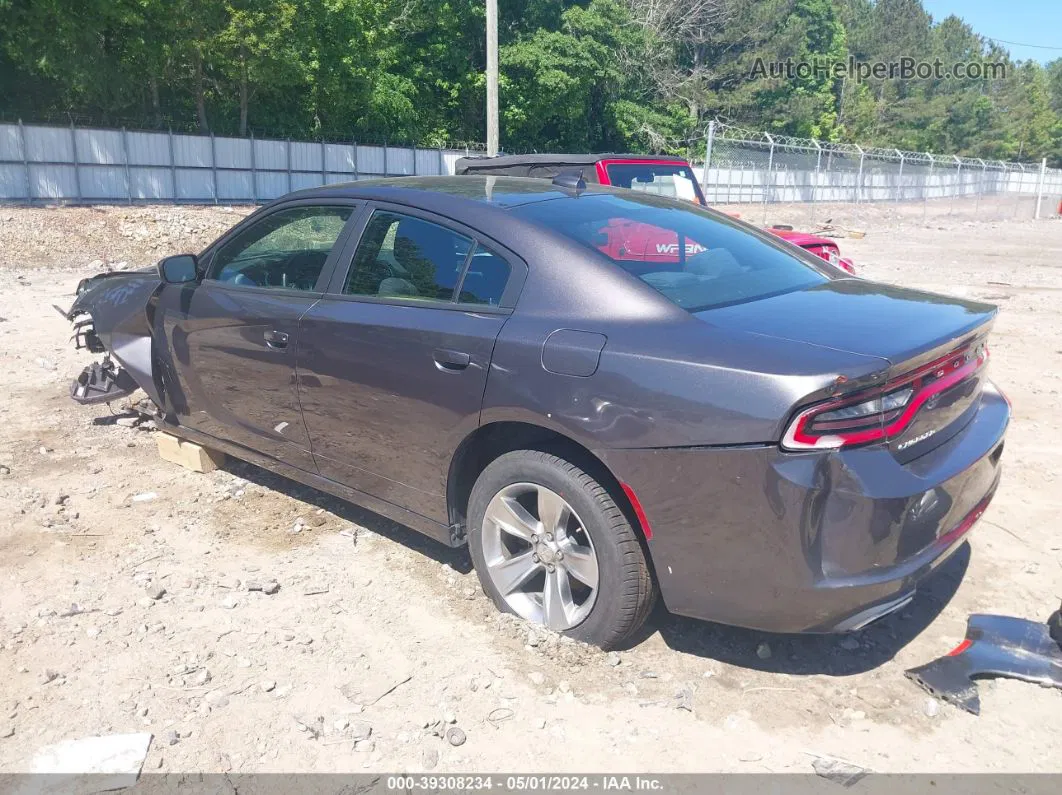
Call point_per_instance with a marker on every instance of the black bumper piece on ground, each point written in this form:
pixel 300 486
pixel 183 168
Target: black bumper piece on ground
pixel 995 646
pixel 102 382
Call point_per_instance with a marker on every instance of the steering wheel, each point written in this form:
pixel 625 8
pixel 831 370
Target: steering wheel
pixel 304 268
pixel 244 280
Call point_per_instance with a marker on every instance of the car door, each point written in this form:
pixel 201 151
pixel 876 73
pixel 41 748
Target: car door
pixel 393 359
pixel 233 336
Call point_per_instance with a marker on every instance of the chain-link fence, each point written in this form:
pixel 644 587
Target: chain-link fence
pixel 763 171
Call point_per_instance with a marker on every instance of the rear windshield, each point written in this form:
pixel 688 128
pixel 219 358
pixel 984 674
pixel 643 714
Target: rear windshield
pixel 696 259
pixel 674 180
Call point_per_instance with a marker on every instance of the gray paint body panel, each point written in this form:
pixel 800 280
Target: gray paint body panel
pixel 570 352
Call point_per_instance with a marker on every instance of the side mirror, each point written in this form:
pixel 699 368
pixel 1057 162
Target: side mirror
pixel 179 269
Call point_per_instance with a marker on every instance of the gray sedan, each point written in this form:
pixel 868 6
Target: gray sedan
pixel 608 395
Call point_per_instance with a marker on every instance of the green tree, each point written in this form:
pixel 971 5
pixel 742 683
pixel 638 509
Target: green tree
pixel 563 89
pixel 1054 84
pixel 576 74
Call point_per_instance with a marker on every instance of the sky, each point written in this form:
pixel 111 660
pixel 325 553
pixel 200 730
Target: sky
pixel 1028 22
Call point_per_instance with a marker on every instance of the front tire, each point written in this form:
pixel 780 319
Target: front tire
pixel 551 545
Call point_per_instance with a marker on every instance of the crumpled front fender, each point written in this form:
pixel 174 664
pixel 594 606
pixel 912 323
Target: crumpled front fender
pixel 111 294
pixel 120 305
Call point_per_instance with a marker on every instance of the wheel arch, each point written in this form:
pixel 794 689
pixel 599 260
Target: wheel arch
pixel 477 450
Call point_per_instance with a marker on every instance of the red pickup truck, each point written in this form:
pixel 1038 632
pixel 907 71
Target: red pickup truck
pixel 660 174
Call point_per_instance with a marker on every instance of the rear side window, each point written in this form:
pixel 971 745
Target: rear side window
pixel 485 279
pixel 400 256
pixel 694 258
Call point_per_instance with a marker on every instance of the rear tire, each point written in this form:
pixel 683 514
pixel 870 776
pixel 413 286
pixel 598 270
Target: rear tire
pixel 582 571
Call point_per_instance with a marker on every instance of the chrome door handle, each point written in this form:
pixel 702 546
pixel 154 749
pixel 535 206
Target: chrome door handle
pixel 451 360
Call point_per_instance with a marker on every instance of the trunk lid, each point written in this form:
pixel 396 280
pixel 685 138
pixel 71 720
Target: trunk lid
pixel 908 329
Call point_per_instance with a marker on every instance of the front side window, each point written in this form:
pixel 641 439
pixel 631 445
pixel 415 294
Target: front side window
pixel 286 249
pixel 676 181
pixel 400 256
pixel 694 258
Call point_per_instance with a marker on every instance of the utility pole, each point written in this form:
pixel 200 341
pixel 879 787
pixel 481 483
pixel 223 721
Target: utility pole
pixel 1040 188
pixel 492 77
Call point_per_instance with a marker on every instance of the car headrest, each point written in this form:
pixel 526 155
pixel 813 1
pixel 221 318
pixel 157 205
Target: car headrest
pixel 393 285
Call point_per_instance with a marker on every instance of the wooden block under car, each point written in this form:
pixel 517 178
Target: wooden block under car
pixel 188 454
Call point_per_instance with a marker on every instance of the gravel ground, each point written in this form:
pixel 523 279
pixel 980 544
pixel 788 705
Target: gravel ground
pixel 137 596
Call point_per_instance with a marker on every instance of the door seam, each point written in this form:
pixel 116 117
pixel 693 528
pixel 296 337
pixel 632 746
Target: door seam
pixel 486 381
pixel 298 385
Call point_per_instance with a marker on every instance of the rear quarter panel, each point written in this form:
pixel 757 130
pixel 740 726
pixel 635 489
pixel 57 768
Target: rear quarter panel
pixel 665 378
pixel 665 383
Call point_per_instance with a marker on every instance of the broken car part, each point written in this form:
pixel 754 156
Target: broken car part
pixel 111 316
pixel 102 382
pixel 994 646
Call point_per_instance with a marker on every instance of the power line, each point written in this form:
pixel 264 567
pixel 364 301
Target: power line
pixel 1002 41
pixel 1022 44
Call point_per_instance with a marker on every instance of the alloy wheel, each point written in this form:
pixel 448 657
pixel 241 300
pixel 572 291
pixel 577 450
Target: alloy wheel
pixel 540 556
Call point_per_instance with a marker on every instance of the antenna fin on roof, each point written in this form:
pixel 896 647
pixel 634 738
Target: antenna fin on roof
pixel 571 180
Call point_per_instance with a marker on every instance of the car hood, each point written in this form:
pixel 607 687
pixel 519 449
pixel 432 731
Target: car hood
pixel 857 316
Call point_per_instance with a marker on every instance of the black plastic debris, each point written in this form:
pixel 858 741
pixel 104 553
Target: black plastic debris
pixel 995 646
pixel 102 382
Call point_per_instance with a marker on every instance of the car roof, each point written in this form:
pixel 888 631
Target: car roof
pixel 485 205
pixel 500 192
pixel 465 164
pixel 478 202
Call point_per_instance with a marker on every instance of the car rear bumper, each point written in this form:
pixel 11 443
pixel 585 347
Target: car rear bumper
pixel 815 542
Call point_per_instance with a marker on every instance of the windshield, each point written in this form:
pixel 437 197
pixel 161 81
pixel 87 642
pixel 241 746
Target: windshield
pixel 674 180
pixel 693 257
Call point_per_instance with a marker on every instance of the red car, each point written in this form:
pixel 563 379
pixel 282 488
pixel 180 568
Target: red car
pixel 820 246
pixel 660 174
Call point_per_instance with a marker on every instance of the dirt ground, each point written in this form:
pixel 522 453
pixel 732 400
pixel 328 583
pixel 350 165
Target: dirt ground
pixel 377 637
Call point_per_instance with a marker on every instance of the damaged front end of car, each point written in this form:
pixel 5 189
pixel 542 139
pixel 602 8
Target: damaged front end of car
pixel 111 314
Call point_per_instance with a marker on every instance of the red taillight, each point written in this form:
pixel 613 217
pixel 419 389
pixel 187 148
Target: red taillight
pixel 881 412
